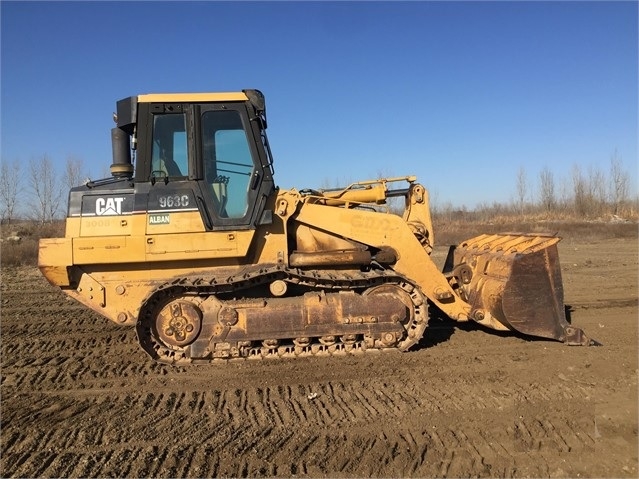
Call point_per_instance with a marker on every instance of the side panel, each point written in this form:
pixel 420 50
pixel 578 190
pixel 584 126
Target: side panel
pixel 165 222
pixel 107 249
pixel 106 214
pixel 160 247
pixel 198 245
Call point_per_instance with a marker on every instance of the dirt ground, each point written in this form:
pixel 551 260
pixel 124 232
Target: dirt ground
pixel 80 399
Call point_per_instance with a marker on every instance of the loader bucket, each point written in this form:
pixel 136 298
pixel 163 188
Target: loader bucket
pixel 513 282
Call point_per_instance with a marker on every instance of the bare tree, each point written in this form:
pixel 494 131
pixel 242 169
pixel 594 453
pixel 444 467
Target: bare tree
pixel 579 190
pixel 564 196
pixel 434 201
pixel 596 190
pixel 547 190
pixel 619 182
pixel 522 189
pixel 10 182
pixel 73 172
pixel 45 187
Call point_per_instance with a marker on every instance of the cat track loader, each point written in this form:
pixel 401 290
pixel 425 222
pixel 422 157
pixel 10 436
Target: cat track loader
pixel 198 249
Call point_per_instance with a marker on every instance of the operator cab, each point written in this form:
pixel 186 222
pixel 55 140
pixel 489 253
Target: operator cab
pixel 207 151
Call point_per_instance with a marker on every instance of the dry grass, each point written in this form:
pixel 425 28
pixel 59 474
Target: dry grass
pixel 447 233
pixel 24 251
pixel 19 254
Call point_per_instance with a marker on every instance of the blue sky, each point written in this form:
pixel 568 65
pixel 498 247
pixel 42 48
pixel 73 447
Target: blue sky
pixel 461 94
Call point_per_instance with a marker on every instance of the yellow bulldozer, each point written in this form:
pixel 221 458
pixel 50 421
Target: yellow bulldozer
pixel 198 249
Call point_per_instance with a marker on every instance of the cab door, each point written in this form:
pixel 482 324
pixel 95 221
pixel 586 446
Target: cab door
pixel 230 174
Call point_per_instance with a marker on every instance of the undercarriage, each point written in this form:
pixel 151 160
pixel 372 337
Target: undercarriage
pixel 281 312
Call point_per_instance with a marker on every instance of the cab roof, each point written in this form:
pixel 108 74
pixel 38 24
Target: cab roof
pixel 191 97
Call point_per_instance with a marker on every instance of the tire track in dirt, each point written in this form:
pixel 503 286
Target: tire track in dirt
pixel 451 452
pixel 88 403
pixel 25 324
pixel 236 415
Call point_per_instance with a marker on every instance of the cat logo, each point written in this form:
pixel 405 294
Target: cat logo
pixel 108 206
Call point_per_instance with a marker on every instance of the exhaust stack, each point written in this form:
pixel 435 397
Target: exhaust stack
pixel 122 166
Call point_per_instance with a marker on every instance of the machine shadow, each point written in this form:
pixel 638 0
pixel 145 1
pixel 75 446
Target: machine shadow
pixel 441 328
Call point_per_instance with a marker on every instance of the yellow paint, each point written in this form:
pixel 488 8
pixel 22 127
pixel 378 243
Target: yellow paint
pixel 191 97
pixel 187 222
pixel 109 249
pixel 54 255
pixel 72 229
pixel 105 225
pixel 212 244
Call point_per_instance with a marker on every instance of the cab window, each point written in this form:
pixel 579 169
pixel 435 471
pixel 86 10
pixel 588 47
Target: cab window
pixel 228 164
pixel 170 153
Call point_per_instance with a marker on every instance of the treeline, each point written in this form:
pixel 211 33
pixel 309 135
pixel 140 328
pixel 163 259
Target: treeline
pixel 38 192
pixel 584 195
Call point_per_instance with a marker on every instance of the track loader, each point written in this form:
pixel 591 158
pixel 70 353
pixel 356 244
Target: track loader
pixel 198 249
